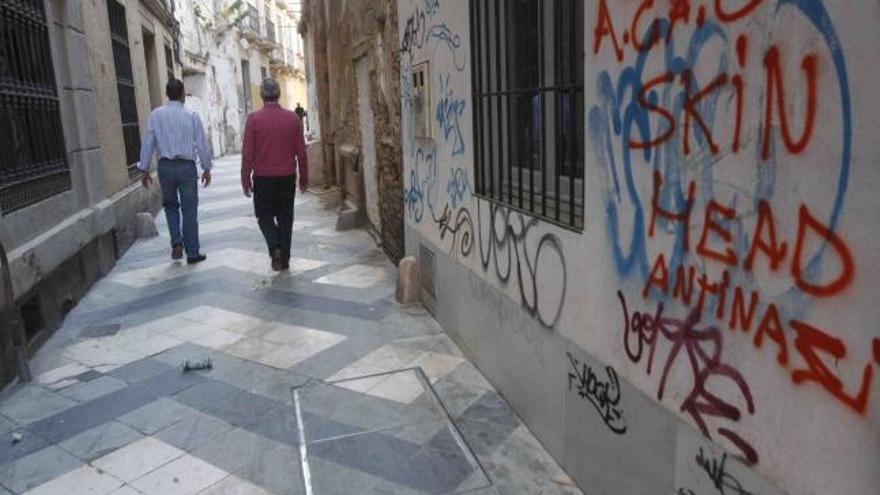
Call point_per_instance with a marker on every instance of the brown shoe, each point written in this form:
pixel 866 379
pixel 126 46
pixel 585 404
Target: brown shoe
pixel 276 259
pixel 177 252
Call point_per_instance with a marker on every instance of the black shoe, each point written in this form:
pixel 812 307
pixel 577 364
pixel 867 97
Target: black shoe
pixel 177 252
pixel 198 259
pixel 276 260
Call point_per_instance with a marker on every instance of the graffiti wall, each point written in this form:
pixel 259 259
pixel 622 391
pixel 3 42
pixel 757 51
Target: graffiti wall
pixel 728 264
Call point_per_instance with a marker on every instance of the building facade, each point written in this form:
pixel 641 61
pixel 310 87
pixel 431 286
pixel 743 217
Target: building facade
pixel 229 46
pixel 75 100
pixel 649 224
pixel 353 80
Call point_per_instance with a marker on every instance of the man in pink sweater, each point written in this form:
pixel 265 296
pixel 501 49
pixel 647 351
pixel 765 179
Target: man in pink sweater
pixel 273 150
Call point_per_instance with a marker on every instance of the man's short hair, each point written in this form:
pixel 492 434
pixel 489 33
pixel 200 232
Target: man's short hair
pixel 270 90
pixel 174 89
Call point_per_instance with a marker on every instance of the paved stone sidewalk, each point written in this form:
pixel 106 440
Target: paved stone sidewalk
pixel 321 383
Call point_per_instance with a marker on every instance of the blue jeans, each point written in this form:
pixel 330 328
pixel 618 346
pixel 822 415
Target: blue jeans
pixel 180 194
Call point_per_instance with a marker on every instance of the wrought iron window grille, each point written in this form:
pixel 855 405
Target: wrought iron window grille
pixel 33 157
pixel 528 106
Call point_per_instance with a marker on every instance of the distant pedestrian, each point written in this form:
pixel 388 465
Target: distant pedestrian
pixel 177 136
pixel 274 149
pixel 300 112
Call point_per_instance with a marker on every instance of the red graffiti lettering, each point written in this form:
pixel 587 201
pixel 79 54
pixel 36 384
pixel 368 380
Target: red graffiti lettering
pixel 643 101
pixel 807 223
pixel 710 225
pixel 772 327
pixel 774 82
pixel 738 312
pixel 811 340
pixel 684 216
pixel 690 109
pixel 604 27
pixel 726 15
pixel 653 35
pixel 659 277
pixel 682 288
pixel 679 10
pixel 774 250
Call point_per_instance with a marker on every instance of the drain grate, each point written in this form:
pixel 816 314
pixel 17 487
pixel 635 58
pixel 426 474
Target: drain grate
pixel 95 331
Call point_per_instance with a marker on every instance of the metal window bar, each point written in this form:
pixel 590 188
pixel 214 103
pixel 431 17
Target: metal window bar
pixel 254 19
pixel 169 62
pixel 33 160
pixel 125 85
pixel 501 44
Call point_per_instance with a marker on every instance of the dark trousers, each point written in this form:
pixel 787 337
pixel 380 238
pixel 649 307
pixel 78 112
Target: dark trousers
pixel 273 206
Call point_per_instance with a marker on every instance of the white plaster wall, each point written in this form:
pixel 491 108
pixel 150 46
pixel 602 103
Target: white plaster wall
pixel 812 420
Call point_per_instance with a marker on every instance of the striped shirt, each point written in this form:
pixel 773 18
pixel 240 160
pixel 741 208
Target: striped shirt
pixel 175 132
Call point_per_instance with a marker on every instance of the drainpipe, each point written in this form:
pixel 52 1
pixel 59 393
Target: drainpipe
pixel 15 334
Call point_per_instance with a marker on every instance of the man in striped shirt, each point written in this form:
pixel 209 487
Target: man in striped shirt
pixel 177 136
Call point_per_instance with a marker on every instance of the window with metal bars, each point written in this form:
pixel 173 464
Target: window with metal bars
pixel 528 105
pixel 33 160
pixel 169 62
pixel 125 85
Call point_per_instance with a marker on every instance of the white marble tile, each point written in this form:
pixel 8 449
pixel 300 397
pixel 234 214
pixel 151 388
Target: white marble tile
pixel 218 339
pixel 362 385
pixel 125 490
pixel 136 459
pixel 101 355
pixel 144 277
pixel 402 387
pixel 62 373
pixel 356 277
pixel 85 480
pixel 219 204
pixel 182 476
pixel 327 232
pixel 251 348
pixel 435 365
pixel 304 344
pixel 392 356
pixel 153 345
pixel 191 331
pixel 219 317
pixel 233 485
pixel 357 370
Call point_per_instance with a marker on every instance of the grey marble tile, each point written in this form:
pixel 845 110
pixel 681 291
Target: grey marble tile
pixel 413 465
pixel 455 397
pixel 100 440
pixel 29 443
pixel 234 450
pixel 483 437
pixel 140 370
pixel 156 416
pixel 37 468
pixel 172 382
pixel 279 423
pixel 492 408
pixel 89 376
pixel 193 431
pixel 277 470
pixel 226 402
pixel 29 403
pixel 84 392
pixel 78 419
pixel 330 478
pixel 6 424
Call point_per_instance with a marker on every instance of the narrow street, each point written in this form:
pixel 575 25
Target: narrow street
pixel 320 382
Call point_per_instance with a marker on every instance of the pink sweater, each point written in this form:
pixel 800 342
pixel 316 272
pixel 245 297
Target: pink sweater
pixel 274 146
